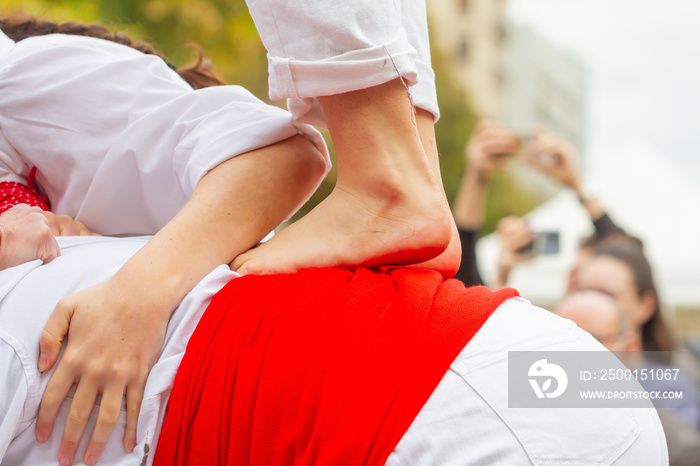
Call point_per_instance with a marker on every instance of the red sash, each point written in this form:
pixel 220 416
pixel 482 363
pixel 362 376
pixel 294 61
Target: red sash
pixel 320 367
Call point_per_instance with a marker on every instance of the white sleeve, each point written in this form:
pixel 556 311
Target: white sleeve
pixel 13 393
pixel 118 138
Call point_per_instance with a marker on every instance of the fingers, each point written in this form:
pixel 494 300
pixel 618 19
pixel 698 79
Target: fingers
pixel 49 250
pixel 134 396
pixel 491 146
pixel 64 225
pixel 515 235
pixel 53 334
pixel 56 391
pixel 110 408
pixel 26 236
pixel 78 415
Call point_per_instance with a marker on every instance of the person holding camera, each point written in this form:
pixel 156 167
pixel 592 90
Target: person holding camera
pixel 491 147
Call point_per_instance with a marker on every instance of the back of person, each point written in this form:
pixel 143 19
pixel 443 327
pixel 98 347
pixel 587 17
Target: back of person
pixel 84 262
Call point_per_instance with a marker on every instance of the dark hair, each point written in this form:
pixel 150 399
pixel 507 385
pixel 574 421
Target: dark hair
pixel 198 75
pixel 630 250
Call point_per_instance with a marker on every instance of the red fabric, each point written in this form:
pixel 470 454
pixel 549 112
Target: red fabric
pixel 13 193
pixel 320 367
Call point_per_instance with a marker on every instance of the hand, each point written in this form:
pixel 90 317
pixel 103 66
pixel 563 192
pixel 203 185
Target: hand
pixel 490 147
pixel 515 233
pixel 63 225
pixel 114 342
pixel 554 156
pixel 25 235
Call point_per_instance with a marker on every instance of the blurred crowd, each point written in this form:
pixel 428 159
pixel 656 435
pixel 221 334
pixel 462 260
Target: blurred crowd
pixel 611 291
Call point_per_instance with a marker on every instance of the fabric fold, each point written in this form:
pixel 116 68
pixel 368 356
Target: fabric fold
pixel 323 366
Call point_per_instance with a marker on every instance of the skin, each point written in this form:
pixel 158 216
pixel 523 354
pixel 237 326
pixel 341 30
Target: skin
pixel 555 157
pixel 490 148
pixel 584 256
pixel 448 261
pixel 600 315
pixel 613 277
pixel 28 233
pixel 117 327
pixel 515 233
pixel 388 206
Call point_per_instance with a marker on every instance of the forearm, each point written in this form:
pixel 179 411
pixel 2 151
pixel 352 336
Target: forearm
pixel 233 207
pixel 469 206
pixel 502 275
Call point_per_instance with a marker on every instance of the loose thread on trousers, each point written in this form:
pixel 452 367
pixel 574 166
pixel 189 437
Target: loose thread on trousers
pixel 408 92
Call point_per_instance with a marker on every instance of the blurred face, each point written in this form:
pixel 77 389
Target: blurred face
pixel 613 277
pixel 597 314
pixel 584 256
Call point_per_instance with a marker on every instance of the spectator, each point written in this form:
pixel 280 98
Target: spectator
pixel 490 148
pixel 556 157
pixel 618 266
pixel 601 315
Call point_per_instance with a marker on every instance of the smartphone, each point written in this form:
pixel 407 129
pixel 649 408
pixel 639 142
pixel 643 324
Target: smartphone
pixel 545 242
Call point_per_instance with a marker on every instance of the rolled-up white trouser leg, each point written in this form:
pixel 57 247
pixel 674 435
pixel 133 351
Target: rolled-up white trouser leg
pixel 331 47
pixel 415 22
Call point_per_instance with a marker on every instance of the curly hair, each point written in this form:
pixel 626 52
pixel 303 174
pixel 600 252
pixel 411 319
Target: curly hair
pixel 198 75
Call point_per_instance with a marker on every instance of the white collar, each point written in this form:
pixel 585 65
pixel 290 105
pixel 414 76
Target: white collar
pixel 5 44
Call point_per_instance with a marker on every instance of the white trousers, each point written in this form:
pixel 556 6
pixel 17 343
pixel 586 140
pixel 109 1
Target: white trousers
pixel 330 47
pixel 467 421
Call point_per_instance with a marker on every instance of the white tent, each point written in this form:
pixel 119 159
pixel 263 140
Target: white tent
pixel 647 197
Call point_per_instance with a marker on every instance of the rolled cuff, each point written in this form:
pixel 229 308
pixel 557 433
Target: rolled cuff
pixel 302 81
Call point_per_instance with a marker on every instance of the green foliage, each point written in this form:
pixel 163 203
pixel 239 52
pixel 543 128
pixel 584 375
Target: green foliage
pixel 222 28
pixel 454 127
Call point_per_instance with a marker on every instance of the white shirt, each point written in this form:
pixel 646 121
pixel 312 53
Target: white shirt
pixel 466 421
pixel 118 138
pixel 28 294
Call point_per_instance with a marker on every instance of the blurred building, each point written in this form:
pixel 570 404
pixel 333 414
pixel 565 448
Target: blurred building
pixel 471 34
pixel 543 85
pixel 509 72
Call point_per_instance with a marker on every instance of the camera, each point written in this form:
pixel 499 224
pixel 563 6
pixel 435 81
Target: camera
pixel 545 242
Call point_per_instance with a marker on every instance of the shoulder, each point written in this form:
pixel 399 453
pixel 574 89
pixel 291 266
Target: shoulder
pixel 58 42
pixel 66 57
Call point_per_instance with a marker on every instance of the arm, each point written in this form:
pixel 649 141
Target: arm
pixel 117 327
pixel 557 158
pixel 515 233
pixel 489 148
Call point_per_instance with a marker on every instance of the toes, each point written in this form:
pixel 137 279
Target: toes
pixel 237 263
pixel 252 268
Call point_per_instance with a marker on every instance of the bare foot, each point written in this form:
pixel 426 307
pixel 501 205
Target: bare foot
pixel 348 231
pixel 447 263
pixel 388 206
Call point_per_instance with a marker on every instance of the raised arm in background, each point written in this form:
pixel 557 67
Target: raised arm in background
pixel 556 157
pixel 490 147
